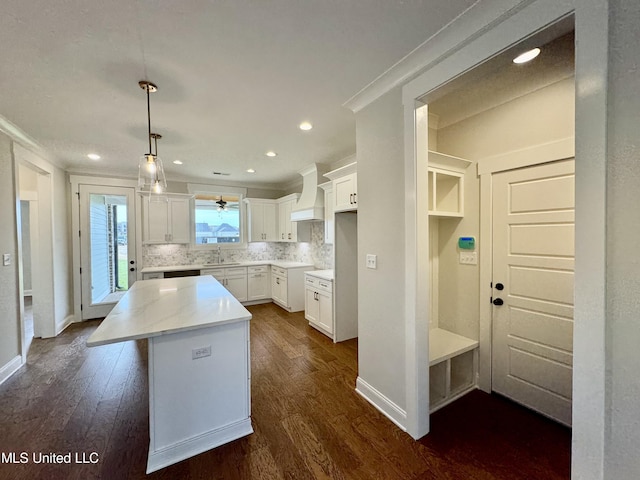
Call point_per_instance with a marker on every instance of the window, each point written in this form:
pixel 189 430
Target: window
pixel 218 219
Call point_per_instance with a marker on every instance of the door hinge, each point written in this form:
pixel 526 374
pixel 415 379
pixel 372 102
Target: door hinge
pixel 491 300
pixel 78 194
pixel 80 307
pixel 491 284
pixel 79 233
pixel 80 270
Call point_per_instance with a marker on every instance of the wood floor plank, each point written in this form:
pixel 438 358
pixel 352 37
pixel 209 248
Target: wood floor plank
pixel 308 421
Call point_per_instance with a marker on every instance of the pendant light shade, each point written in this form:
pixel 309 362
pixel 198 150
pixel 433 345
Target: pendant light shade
pixel 151 176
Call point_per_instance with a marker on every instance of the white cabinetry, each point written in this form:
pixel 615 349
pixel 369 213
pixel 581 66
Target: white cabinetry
pixel 329 223
pixel 258 284
pixel 287 286
pixel 446 184
pixel 319 303
pixel 153 275
pixel 262 219
pixel 287 230
pixel 166 219
pixel 233 279
pixel 345 187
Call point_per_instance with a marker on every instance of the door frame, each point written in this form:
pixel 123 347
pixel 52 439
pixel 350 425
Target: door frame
pixel 76 181
pixel 528 157
pixel 469 41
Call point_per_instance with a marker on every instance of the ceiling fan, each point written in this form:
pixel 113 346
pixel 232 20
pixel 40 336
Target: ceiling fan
pixel 222 205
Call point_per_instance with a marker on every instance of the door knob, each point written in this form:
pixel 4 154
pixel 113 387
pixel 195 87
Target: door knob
pixel 132 262
pixel 132 269
pixel 499 286
pixel 498 301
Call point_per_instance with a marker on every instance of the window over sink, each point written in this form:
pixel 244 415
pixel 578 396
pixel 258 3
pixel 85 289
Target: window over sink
pixel 218 217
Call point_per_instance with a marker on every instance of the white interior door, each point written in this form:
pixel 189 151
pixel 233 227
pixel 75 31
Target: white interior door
pixel 107 247
pixel 533 263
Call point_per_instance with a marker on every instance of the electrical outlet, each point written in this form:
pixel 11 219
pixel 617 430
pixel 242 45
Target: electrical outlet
pixel 469 258
pixel 201 352
pixel 6 259
pixel 372 261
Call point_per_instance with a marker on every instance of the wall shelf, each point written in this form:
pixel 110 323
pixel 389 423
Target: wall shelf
pixel 446 184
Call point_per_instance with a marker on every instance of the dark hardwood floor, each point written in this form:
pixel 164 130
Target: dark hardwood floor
pixel 309 423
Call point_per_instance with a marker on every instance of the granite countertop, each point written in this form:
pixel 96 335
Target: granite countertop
pixel 176 268
pixel 165 306
pixel 323 274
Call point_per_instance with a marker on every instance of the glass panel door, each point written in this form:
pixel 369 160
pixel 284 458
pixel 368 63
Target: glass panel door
pixel 107 247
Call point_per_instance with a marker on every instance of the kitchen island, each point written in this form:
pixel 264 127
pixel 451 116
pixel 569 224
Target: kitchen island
pixel 199 368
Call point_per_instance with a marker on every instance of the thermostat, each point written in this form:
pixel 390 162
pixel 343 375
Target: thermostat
pixel 467 243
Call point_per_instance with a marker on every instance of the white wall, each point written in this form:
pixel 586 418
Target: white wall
pixel 622 434
pixel 381 341
pixel 9 319
pixel 537 118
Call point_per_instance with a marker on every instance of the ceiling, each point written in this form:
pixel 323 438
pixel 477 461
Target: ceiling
pixel 499 80
pixel 234 77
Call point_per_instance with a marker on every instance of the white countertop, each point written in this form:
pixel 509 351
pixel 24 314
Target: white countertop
pixel 277 263
pixel 164 306
pixel 323 274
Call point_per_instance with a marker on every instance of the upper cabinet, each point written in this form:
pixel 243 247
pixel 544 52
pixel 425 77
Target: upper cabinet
pixel 329 226
pixel 262 219
pixel 287 230
pixel 345 187
pixel 166 218
pixel 446 184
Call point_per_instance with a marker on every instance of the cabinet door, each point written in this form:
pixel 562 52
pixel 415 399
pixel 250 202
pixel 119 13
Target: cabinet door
pixel 284 293
pixel 258 286
pixel 325 306
pixel 311 306
pixel 155 220
pixel 284 216
pixel 345 193
pixel 180 215
pixel 237 286
pixel 270 226
pixel 275 287
pixel 256 221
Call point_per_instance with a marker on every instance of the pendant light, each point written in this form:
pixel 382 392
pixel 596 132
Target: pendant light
pixel 151 176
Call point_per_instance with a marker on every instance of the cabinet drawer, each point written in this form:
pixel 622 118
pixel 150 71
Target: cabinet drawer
pixel 325 285
pixel 279 271
pixel 310 281
pixel 235 271
pixel 216 272
pixel 258 269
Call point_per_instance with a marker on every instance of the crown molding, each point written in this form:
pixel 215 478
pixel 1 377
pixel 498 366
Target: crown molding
pixel 470 24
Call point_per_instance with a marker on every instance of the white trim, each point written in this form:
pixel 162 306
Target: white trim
pixel 526 157
pixel 193 446
pixel 389 409
pixel 60 326
pixel 10 368
pixel 485 249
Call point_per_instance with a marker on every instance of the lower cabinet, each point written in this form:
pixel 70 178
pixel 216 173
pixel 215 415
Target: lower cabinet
pixel 287 286
pixel 318 306
pixel 233 279
pixel 258 285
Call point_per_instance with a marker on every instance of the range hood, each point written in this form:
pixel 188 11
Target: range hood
pixel 310 206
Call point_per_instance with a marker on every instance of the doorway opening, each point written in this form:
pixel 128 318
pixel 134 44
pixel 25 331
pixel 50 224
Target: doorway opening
pixel 500 116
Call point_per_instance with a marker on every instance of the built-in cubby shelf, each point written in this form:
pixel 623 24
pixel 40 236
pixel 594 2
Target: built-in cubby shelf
pixel 446 184
pixel 452 367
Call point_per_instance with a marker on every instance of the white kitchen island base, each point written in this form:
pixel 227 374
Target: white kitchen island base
pixel 199 363
pixel 197 404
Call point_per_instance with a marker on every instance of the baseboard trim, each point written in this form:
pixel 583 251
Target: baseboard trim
pixel 389 409
pixel 193 446
pixel 10 368
pixel 68 320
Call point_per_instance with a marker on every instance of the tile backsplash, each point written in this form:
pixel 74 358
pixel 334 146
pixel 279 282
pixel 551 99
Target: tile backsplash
pixel 316 252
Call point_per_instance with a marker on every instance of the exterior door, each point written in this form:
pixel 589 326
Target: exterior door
pixel 107 247
pixel 533 273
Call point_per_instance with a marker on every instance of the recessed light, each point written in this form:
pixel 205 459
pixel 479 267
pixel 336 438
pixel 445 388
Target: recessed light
pixel 305 126
pixel 94 156
pixel 527 56
pixel 178 162
pixel 250 170
pixel 271 154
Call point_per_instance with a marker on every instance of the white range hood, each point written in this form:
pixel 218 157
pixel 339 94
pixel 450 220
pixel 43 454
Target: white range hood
pixel 310 206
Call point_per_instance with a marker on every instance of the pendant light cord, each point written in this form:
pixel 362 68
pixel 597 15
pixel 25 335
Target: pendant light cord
pixel 149 118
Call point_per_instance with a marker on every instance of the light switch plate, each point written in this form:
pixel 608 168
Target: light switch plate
pixel 6 259
pixel 468 258
pixel 372 261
